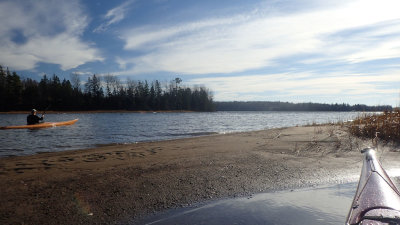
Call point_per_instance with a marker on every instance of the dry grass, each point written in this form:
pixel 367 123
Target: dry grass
pixel 385 126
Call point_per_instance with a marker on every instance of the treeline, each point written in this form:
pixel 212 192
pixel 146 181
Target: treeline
pixel 99 93
pixel 286 106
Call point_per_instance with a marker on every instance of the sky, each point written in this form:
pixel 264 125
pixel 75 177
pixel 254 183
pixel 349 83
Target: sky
pixel 331 51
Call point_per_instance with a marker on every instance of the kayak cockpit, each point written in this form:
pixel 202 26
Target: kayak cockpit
pixel 383 216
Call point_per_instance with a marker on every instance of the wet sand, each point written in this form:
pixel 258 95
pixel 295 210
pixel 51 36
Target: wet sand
pixel 116 184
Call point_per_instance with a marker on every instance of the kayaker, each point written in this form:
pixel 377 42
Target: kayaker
pixel 33 118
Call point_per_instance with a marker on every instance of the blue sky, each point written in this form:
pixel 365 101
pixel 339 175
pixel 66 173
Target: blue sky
pixel 330 51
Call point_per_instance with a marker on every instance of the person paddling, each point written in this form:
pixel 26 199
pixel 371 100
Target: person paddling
pixel 33 118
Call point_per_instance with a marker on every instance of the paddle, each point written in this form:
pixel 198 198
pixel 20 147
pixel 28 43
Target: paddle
pixel 44 111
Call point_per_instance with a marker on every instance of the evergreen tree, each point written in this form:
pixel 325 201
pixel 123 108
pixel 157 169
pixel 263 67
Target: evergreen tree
pixel 25 94
pixel 13 90
pixel 30 94
pixel 3 93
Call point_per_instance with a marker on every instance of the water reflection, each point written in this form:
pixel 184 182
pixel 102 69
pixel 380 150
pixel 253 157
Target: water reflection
pixel 327 205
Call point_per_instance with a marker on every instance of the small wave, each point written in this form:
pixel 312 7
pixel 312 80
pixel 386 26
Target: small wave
pixel 14 150
pixel 7 155
pixel 202 133
pixel 193 134
pixel 43 152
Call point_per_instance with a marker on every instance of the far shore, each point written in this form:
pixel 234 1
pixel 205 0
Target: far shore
pixel 97 111
pixel 117 184
pixel 138 111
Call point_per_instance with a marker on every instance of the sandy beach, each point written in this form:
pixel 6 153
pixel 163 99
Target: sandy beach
pixel 118 183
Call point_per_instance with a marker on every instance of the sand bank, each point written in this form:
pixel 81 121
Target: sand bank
pixel 115 184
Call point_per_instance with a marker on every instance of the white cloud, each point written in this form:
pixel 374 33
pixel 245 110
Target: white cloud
pixel 114 15
pixel 306 86
pixel 47 31
pixel 257 40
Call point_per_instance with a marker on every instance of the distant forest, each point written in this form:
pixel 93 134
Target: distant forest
pixel 109 93
pixel 286 106
pixel 99 93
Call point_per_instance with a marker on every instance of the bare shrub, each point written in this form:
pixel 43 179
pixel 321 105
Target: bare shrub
pixel 385 126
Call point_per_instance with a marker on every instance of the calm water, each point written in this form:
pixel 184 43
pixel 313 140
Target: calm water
pixel 316 206
pixel 110 128
pixel 326 205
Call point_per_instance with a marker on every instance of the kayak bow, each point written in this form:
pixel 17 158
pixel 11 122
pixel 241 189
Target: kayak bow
pixel 42 125
pixel 377 200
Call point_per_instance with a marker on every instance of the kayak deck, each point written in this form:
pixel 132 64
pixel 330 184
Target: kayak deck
pixel 377 200
pixel 42 125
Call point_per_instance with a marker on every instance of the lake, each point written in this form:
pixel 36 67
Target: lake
pixel 94 129
pixel 321 205
pixel 309 206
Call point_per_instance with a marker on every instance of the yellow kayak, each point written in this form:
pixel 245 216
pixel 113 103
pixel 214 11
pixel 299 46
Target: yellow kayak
pixel 42 125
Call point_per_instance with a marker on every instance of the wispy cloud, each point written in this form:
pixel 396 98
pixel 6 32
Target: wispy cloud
pixel 306 86
pixel 42 36
pixel 257 39
pixel 114 15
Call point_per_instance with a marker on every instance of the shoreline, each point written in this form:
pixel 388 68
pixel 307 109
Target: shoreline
pixel 159 111
pixel 120 183
pixel 99 111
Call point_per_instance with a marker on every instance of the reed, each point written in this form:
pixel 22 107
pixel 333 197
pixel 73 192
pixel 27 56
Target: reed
pixel 385 126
